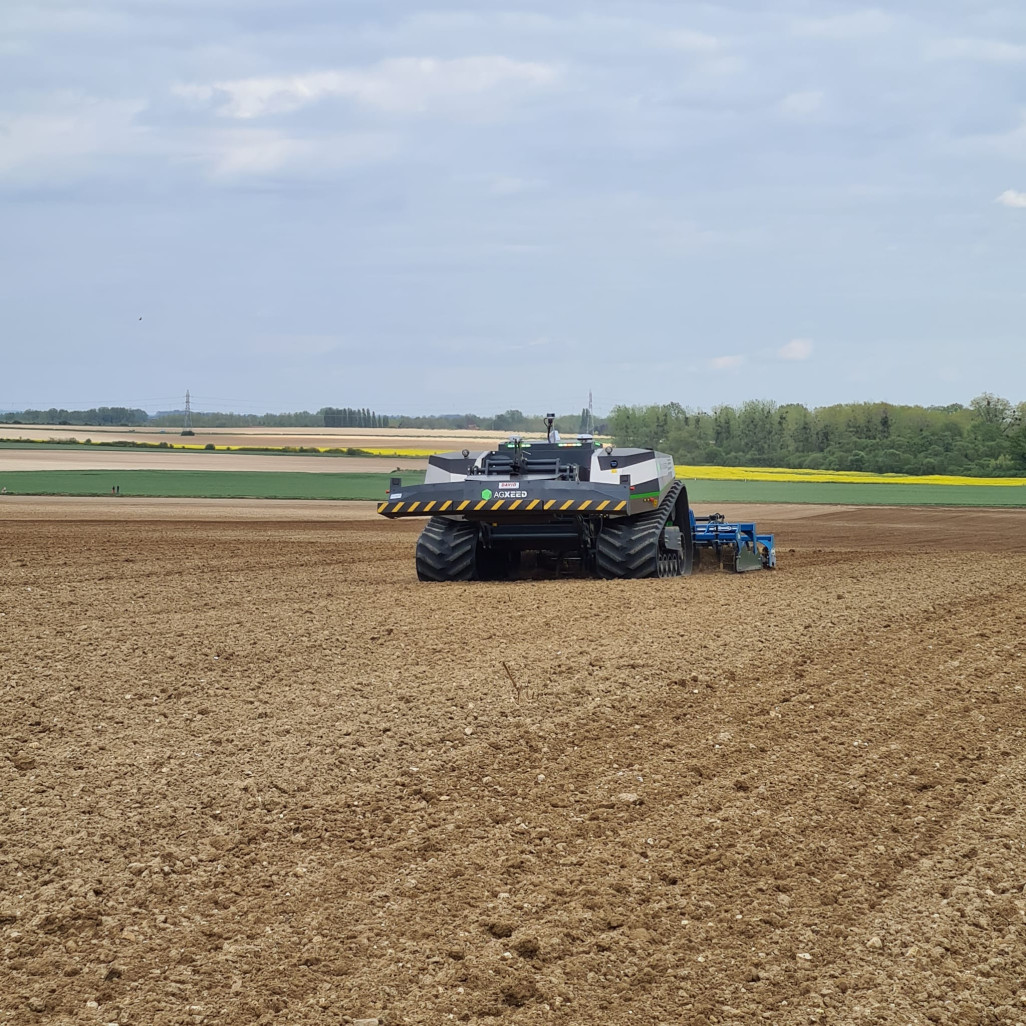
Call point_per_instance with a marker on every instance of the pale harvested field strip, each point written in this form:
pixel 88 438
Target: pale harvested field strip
pixel 345 438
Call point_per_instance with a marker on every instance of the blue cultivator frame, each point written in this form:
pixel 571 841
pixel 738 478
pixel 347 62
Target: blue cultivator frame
pixel 736 547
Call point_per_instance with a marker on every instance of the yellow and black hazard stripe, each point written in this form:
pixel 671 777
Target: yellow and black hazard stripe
pixel 465 506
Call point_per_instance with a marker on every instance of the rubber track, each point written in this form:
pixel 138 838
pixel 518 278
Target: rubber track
pixel 630 547
pixel 447 550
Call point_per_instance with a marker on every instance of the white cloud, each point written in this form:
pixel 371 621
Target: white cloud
pixel 867 22
pixel 802 105
pixel 991 50
pixel 239 152
pixel 65 131
pixel 398 85
pixel 726 362
pixel 1011 198
pixel 65 136
pixel 796 349
pixel 233 154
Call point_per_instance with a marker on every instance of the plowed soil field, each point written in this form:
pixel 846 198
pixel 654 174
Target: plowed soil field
pixel 252 771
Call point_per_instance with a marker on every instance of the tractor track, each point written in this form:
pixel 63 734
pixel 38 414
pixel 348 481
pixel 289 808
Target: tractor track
pixel 629 548
pixel 264 773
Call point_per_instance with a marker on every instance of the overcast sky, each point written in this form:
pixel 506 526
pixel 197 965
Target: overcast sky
pixel 474 206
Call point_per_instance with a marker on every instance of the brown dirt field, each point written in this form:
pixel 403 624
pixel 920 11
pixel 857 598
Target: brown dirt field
pixel 253 772
pixel 104 507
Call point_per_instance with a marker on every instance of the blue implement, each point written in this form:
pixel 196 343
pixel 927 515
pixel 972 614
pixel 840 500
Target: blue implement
pixel 735 546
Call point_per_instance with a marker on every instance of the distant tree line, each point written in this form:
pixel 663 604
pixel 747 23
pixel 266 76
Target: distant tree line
pixel 511 420
pixel 102 416
pixel 986 438
pixel 117 416
pixel 328 416
pixel 347 417
pixel 174 418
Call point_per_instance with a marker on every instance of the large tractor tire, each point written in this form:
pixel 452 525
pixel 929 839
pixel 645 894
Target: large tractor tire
pixel 447 550
pixel 641 546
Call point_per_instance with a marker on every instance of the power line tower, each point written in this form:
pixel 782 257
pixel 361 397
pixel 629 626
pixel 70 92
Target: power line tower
pixel 591 414
pixel 187 424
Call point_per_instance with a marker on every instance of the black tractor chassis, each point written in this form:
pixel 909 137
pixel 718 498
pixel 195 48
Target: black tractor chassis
pixel 528 502
pixel 586 528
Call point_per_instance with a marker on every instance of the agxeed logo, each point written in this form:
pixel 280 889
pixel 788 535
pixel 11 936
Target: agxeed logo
pixel 511 495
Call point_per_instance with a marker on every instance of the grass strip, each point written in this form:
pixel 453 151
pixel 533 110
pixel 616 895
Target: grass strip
pixel 861 494
pixel 202 484
pixel 777 474
pixel 243 484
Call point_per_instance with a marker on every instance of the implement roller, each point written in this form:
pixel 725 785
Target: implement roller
pixel 601 510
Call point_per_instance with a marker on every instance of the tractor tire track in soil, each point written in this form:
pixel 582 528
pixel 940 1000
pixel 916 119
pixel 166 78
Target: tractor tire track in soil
pixel 253 771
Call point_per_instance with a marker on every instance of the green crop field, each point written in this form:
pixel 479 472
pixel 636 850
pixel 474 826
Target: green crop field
pixel 207 484
pixel 702 492
pixel 289 485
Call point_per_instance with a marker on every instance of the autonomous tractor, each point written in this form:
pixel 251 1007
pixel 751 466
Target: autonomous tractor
pixel 579 506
